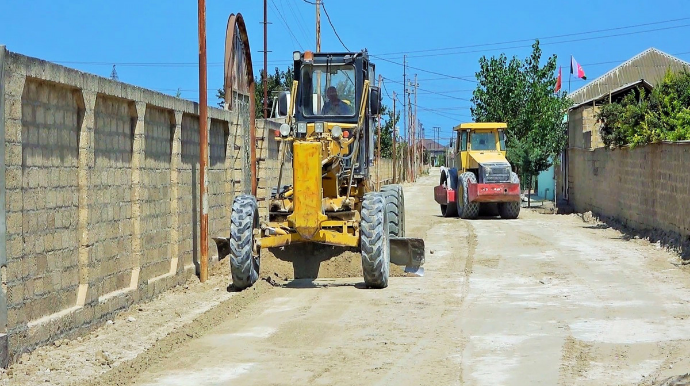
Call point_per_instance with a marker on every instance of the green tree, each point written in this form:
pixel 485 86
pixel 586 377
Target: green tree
pixel 521 94
pixel 278 81
pixel 387 130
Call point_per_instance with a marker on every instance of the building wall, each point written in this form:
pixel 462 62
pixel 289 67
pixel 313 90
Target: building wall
pixel 101 196
pixel 645 188
pixel 545 184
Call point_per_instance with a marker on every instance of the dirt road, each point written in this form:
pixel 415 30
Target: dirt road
pixel 544 299
pixel 540 300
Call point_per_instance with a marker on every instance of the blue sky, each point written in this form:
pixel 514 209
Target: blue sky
pixel 154 42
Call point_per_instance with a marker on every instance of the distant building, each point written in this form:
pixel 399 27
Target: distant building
pixel 644 70
pixel 435 151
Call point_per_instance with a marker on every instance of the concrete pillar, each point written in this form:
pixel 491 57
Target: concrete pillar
pixel 139 114
pixel 175 162
pixel 86 101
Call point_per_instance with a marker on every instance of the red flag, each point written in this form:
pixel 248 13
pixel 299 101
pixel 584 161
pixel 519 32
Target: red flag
pixel 576 69
pixel 558 80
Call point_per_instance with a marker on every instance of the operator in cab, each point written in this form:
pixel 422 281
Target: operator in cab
pixel 335 106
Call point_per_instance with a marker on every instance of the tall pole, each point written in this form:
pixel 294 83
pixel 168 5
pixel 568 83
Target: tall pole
pixel 265 85
pixel 318 26
pixel 395 149
pixel 407 137
pixel 414 128
pixel 378 148
pixel 410 140
pixel 203 143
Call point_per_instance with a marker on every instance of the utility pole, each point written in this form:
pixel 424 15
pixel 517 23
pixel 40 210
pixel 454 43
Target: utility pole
pixel 265 61
pixel 410 140
pixel 414 130
pixel 203 144
pixel 378 148
pixel 395 149
pixel 318 25
pixel 407 137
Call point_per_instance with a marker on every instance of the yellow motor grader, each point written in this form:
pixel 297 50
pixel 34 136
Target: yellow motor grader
pixel 329 131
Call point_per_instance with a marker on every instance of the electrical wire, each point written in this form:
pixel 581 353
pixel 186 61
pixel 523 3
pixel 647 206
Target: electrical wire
pixel 532 39
pixel 300 21
pixel 332 26
pixel 286 25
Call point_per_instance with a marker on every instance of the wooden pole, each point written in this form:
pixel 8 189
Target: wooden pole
pixel 265 80
pixel 395 149
pixel 378 148
pixel 318 26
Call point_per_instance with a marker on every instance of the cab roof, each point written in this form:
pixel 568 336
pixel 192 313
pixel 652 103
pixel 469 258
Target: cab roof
pixel 483 125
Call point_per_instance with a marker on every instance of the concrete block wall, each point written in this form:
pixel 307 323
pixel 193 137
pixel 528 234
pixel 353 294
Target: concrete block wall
pixel 645 188
pixel 583 128
pixel 101 196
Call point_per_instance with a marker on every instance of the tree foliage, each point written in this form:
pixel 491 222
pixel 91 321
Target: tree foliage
pixel 387 126
pixel 520 93
pixel 640 117
pixel 278 81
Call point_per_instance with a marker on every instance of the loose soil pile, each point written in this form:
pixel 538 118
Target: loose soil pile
pixel 315 261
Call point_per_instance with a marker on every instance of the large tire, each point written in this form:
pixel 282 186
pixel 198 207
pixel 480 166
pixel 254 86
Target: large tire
pixel 244 259
pixel 466 209
pixel 395 206
pixel 449 179
pixel 375 241
pixel 510 210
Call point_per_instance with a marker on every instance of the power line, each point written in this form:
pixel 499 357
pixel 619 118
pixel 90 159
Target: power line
pixel 286 25
pixel 152 64
pixel 300 24
pixel 532 39
pixel 423 70
pixel 434 92
pixel 550 43
pixel 332 26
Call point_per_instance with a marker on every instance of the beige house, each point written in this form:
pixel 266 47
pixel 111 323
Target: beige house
pixel 644 70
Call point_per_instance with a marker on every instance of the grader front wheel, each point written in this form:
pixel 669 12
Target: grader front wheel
pixel 244 258
pixel 375 241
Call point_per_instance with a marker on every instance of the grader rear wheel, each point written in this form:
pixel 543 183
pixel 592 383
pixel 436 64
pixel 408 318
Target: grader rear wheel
pixel 375 241
pixel 244 258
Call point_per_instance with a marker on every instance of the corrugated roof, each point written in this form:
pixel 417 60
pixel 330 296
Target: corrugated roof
pixel 650 65
pixel 613 93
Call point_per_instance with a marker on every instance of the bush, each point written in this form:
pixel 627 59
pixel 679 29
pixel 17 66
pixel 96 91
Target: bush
pixel 641 118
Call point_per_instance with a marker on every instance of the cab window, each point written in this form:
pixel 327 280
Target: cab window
pixel 483 141
pixel 463 141
pixel 502 139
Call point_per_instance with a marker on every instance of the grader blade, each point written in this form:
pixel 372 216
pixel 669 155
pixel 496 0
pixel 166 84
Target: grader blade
pixel 409 252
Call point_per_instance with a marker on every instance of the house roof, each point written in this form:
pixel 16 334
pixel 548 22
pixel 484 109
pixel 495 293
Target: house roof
pixel 650 65
pixel 613 93
pixel 431 145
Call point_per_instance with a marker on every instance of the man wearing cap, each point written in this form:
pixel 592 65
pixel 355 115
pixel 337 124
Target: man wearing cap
pixel 335 106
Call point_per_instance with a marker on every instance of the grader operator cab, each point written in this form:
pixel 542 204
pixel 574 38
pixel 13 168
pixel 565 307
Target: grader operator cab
pixel 482 181
pixel 330 113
